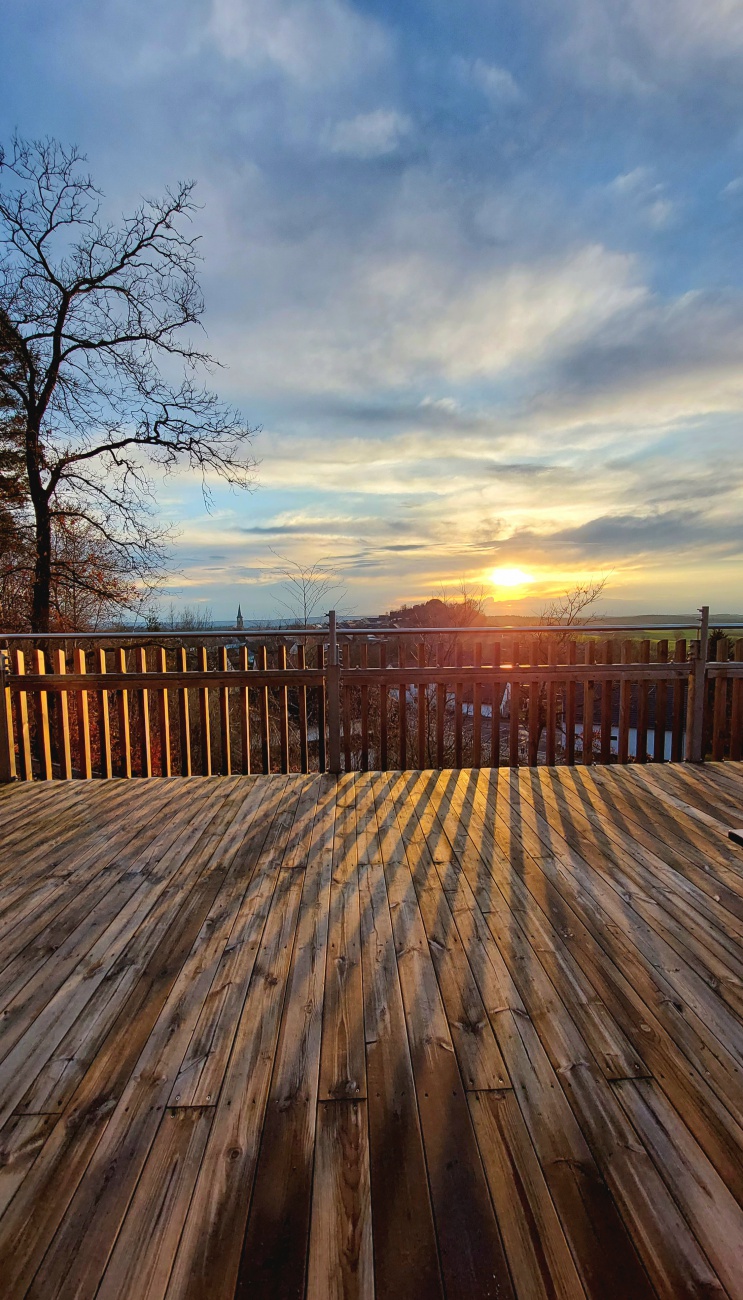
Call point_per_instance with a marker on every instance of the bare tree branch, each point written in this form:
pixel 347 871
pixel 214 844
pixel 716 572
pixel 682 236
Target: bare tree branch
pixel 307 587
pixel 94 316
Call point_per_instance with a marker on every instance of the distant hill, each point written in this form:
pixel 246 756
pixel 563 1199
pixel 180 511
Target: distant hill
pixel 438 613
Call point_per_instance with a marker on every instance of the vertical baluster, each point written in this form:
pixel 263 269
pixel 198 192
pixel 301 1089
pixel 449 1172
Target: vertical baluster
pixel 625 705
pixel 402 703
pixel 458 702
pixel 22 726
pixel 606 705
pixel 534 709
pixel 661 708
pixel 83 718
pixel 43 734
pixel 346 715
pixel 304 756
pixel 570 706
pixel 719 721
pixel 145 739
pixel 104 719
pixel 244 713
pixel 513 711
pixel 364 712
pixel 63 719
pixel 589 695
pixel 163 716
pixel 383 710
pixel 346 658
pixel 440 707
pixel 283 715
pixel 551 719
pixel 224 716
pixel 641 755
pixel 184 716
pixel 736 716
pixel 122 704
pixel 204 719
pixel 477 711
pixel 422 702
pixel 496 697
pixel 261 665
pixel 321 721
pixel 678 725
pixel 7 738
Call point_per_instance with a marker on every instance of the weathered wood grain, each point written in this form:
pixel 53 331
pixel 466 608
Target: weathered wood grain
pixel 464 1033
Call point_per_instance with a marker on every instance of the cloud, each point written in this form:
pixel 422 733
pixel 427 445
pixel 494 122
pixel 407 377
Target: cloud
pixel 645 194
pixel 331 527
pixel 519 333
pixel 397 318
pixel 370 135
pixel 528 470
pixel 632 533
pixel 496 83
pixel 658 361
pixel 640 48
pixel 312 42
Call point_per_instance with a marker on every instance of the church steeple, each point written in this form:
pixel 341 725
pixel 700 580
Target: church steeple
pixel 239 624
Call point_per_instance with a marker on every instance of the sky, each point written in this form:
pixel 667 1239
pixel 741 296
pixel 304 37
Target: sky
pixel 474 269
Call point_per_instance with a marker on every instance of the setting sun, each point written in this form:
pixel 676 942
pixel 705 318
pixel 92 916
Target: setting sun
pixel 510 577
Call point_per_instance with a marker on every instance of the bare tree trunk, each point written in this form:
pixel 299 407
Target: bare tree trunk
pixel 40 608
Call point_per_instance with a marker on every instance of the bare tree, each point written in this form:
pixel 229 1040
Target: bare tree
pixel 98 354
pixel 15 537
pixel 307 587
pixel 568 613
pixel 568 610
pixel 91 584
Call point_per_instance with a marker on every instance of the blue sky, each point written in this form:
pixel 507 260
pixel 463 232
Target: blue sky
pixel 475 269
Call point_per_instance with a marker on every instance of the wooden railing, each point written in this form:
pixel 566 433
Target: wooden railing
pixel 465 700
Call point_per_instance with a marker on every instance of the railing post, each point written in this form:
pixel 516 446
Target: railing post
pixel 697 691
pixel 7 744
pixel 333 688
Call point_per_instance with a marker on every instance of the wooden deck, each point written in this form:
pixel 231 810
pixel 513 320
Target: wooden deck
pixel 407 1035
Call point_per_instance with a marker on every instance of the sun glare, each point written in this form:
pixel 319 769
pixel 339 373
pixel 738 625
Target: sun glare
pixel 509 577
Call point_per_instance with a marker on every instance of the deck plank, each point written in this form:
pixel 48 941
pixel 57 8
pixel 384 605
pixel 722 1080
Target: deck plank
pixel 340 1260
pixel 99 1205
pixel 208 1258
pixel 49 1004
pixel 714 1215
pixel 667 984
pixel 606 1260
pixel 670 930
pixel 536 1245
pixel 142 1259
pixel 342 1059
pixel 41 958
pixel 274 1254
pixel 640 999
pixel 480 1061
pixel 406 1258
pixel 473 1261
pixel 472 1033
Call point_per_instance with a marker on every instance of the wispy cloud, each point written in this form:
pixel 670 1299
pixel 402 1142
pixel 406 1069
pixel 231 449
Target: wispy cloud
pixel 496 83
pixel 370 135
pixel 643 48
pixel 313 42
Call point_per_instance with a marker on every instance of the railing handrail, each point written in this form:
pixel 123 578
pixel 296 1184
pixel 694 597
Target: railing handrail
pixel 261 634
pixel 533 630
pixel 485 630
pixel 155 637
